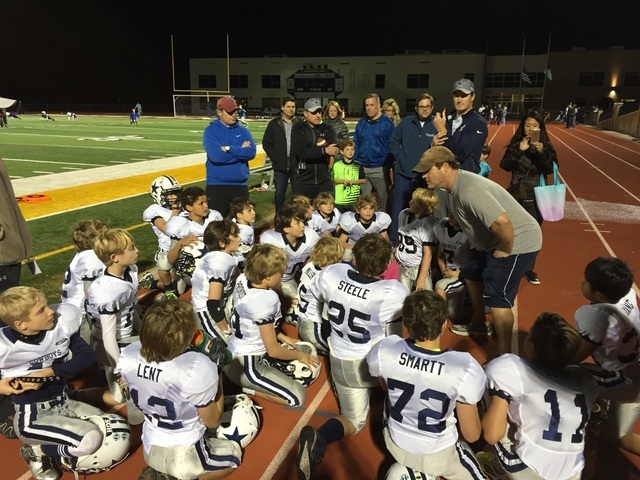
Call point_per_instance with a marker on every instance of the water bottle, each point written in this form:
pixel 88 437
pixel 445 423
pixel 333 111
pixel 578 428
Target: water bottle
pixel 213 347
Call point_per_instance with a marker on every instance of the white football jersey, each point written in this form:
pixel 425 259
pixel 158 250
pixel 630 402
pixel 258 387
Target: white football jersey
pixel 169 394
pixel 307 310
pixel 614 329
pixel 247 241
pixel 252 307
pixel 423 388
pixel 550 410
pixel 413 235
pixel 333 220
pixel 359 308
pixel 18 358
pixel 111 296
pixel 215 266
pixel 182 226
pixel 351 225
pixel 150 214
pixel 455 244
pixel 83 269
pixel 297 256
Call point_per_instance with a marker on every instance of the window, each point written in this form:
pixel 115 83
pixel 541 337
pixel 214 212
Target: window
pixel 239 81
pixel 591 79
pixel 632 79
pixel 418 80
pixel 270 81
pixel 207 81
pixel 513 80
pixel 380 81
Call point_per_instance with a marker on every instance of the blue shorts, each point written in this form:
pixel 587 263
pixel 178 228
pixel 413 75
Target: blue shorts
pixel 500 276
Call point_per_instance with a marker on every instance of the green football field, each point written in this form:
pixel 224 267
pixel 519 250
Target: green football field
pixel 32 147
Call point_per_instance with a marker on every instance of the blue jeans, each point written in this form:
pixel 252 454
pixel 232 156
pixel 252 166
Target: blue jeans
pixel 402 189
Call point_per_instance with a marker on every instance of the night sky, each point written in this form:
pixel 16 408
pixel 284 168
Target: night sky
pixel 120 51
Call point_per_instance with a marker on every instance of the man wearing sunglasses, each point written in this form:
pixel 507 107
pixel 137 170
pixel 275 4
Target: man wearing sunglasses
pixel 229 148
pixel 312 143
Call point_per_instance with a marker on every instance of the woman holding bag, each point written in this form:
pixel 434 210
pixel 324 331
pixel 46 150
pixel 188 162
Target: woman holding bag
pixel 529 155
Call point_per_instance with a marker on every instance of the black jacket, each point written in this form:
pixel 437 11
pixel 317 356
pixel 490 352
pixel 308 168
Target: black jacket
pixel 526 167
pixel 307 153
pixel 274 143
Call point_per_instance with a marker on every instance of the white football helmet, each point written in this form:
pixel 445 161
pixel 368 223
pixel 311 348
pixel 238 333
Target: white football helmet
pixel 164 186
pixel 400 472
pixel 240 420
pixel 295 368
pixel 116 439
pixel 190 256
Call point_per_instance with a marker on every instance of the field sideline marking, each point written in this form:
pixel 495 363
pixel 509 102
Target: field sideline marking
pixel 49 161
pixel 290 441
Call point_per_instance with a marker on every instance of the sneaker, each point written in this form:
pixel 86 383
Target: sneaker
pixel 532 277
pixel 6 428
pixel 472 329
pixel 42 468
pixel 146 282
pixel 491 466
pixel 149 473
pixel 310 450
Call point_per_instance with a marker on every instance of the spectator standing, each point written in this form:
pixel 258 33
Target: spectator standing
pixel 312 144
pixel 411 137
pixel 138 109
pixel 372 135
pixel 503 115
pixel 506 241
pixel 464 133
pixel 348 176
pixel 392 110
pixel 334 116
pixel 277 145
pixel 229 148
pixel 527 160
pixel 15 246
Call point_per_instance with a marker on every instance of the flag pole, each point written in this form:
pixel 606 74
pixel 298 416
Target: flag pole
pixel 524 42
pixel 544 82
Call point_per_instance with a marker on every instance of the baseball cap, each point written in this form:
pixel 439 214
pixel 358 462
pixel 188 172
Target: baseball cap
pixel 228 104
pixel 432 156
pixel 313 104
pixel 464 85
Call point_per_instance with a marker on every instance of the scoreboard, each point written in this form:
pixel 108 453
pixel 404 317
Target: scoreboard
pixel 305 83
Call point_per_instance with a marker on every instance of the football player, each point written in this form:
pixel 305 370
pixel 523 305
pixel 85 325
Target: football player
pixel 365 219
pixel 609 328
pixel 543 404
pixel 255 320
pixel 242 211
pixel 215 276
pixel 84 268
pixel 186 231
pixel 165 191
pixel 43 343
pixel 180 393
pixel 416 240
pixel 324 210
pixel 426 389
pixel 362 309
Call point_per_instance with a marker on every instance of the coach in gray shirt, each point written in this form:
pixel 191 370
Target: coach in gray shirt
pixel 506 239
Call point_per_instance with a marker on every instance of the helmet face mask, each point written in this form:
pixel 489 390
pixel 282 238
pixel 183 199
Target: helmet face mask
pixel 165 191
pixel 116 440
pixel 295 368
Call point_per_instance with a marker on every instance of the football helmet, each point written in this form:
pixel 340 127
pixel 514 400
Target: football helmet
pixel 189 257
pixel 240 420
pixel 295 368
pixel 164 186
pixel 400 472
pixel 116 439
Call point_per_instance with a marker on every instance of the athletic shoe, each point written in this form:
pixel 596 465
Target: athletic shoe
pixel 491 466
pixel 472 329
pixel 310 451
pixel 6 428
pixel 42 468
pixel 149 473
pixel 146 282
pixel 532 277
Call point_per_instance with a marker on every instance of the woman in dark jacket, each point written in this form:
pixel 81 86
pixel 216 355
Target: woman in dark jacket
pixel 526 158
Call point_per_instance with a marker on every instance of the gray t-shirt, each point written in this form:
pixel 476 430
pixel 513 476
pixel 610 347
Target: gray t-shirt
pixel 477 202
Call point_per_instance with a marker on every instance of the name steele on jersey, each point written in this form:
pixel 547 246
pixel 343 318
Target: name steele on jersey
pixel 148 372
pixel 359 292
pixel 417 363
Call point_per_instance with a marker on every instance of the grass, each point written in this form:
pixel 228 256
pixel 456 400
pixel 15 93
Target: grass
pixel 31 146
